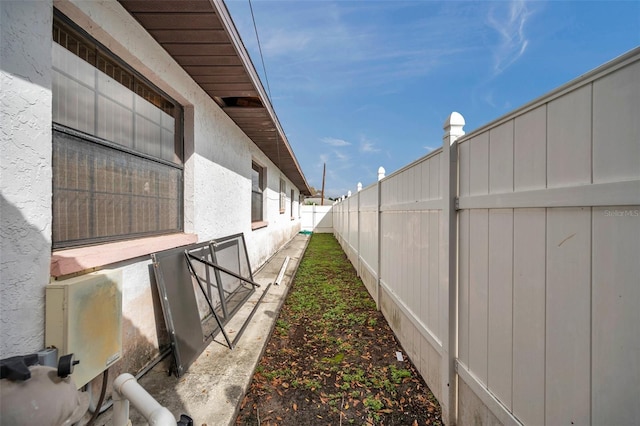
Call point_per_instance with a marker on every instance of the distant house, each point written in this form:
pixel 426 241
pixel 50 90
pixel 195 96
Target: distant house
pixel 128 128
pixel 309 201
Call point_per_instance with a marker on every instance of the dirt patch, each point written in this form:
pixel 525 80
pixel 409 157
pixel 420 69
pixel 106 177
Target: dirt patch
pixel 332 358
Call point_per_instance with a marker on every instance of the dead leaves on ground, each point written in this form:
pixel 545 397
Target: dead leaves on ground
pixel 336 364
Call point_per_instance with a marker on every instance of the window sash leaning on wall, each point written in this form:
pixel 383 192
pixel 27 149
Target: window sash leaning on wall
pixel 117 147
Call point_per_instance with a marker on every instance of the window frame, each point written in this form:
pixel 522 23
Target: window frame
pixel 293 194
pixel 107 150
pixel 262 178
pixel 283 196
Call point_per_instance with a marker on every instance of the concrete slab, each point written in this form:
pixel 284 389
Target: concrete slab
pixel 211 391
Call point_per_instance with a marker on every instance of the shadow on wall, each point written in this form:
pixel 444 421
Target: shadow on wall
pixel 139 354
pixel 24 272
pixel 137 351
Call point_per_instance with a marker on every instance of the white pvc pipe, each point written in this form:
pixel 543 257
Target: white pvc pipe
pixel 127 389
pixel 282 271
pixel 120 410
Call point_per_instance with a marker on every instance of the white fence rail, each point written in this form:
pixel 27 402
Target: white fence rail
pixel 508 262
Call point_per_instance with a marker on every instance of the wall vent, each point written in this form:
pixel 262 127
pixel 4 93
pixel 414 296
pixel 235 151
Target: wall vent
pixel 84 317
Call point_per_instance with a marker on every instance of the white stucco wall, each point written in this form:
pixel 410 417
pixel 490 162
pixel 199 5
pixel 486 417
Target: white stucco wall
pixel 218 154
pixel 217 172
pixel 25 172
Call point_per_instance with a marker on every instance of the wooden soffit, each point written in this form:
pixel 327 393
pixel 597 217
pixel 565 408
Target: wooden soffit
pixel 201 36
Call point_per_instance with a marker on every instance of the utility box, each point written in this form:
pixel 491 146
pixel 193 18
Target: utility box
pixel 84 317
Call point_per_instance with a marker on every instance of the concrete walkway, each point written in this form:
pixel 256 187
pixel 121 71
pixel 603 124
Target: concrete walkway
pixel 213 388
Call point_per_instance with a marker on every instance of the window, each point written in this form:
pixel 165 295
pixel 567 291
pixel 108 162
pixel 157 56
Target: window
pixel 117 147
pixel 283 196
pixel 292 195
pixel 257 190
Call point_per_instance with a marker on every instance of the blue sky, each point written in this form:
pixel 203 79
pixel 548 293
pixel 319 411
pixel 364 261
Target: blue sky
pixel 363 84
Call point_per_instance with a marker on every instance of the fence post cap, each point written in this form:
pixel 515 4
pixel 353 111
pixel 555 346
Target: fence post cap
pixel 453 128
pixel 454 119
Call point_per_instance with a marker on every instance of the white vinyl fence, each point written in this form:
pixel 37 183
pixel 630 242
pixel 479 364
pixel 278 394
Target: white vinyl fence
pixel 508 261
pixel 317 218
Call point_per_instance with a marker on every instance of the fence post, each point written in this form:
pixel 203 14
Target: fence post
pixel 449 267
pixel 359 228
pixel 381 172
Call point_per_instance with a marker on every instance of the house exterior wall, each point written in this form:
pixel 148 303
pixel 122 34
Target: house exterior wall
pixel 217 174
pixel 25 172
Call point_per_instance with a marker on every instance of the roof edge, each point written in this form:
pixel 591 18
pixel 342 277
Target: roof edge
pixel 243 54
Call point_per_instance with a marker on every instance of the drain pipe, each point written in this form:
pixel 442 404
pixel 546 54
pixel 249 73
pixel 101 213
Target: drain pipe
pixel 127 389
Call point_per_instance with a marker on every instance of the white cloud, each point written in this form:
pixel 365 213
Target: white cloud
pixel 510 25
pixel 368 146
pixel 341 156
pixel 287 42
pixel 320 47
pixel 335 142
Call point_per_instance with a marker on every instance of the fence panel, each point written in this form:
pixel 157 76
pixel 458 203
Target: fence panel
pixel 548 236
pixel 411 224
pixel 317 218
pixel 368 238
pixel 542 253
pixel 352 233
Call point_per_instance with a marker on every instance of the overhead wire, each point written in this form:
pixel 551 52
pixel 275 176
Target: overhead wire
pixel 264 68
pixel 266 77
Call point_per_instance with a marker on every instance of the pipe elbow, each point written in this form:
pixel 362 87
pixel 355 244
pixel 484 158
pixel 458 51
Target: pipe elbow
pixel 120 381
pixel 162 417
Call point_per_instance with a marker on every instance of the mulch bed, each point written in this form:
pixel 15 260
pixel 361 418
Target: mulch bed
pixel 332 358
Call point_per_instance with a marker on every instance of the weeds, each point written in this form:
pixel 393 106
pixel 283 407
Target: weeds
pixel 331 358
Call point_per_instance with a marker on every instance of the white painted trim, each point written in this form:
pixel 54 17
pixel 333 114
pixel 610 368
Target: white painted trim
pixel 423 329
pixel 487 398
pixel 415 206
pixel 600 194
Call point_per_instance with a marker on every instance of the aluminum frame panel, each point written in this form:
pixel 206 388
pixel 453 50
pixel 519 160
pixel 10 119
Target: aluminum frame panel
pixel 179 305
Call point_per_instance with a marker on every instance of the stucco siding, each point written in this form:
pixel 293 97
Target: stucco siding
pixel 25 172
pixel 217 173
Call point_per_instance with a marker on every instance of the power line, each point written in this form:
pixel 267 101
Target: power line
pixel 266 78
pixel 264 68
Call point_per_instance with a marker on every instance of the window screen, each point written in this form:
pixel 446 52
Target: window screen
pixel 117 156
